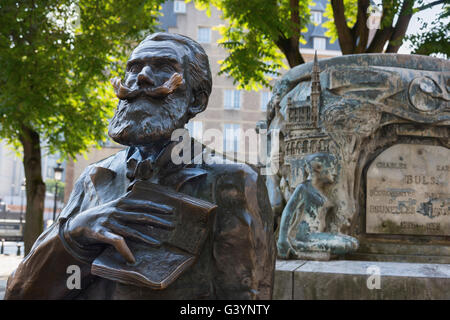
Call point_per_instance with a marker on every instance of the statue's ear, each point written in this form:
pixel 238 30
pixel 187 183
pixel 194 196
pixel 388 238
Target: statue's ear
pixel 198 103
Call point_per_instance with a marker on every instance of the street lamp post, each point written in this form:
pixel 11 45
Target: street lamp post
pixel 22 191
pixel 3 208
pixel 58 176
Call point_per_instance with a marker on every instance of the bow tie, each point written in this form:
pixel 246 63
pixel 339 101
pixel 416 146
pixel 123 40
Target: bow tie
pixel 139 170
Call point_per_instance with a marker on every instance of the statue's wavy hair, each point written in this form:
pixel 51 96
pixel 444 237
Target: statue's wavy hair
pixel 199 72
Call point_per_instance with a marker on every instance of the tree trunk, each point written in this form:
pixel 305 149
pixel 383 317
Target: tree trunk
pixel 294 57
pixel 400 28
pixel 35 186
pixel 291 50
pixel 345 36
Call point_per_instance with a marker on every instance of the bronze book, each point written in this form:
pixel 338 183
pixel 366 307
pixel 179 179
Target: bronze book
pixel 158 267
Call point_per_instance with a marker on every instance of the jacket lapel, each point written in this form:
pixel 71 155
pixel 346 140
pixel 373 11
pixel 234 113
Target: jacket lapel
pixel 109 177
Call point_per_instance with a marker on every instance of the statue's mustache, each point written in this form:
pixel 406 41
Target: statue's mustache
pixel 124 93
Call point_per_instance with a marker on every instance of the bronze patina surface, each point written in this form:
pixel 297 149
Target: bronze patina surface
pixel 140 226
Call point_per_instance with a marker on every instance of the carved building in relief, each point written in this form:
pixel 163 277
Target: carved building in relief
pixel 303 134
pixel 360 109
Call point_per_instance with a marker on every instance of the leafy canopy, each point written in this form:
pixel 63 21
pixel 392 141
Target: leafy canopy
pixel 434 38
pixel 350 11
pixel 261 35
pixel 251 35
pixel 56 57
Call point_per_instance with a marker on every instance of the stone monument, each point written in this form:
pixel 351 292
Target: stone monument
pixel 140 226
pixel 385 118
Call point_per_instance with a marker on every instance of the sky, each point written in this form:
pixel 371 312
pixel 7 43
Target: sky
pixel 427 15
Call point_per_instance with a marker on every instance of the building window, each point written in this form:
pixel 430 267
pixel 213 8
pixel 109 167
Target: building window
pixel 195 129
pixel 232 99
pixel 265 98
pixel 204 35
pixel 179 6
pixel 320 43
pixel 231 137
pixel 316 17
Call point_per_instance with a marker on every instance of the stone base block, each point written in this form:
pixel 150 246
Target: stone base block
pixel 356 280
pixel 317 256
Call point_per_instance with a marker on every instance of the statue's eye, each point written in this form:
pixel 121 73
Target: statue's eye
pixel 166 68
pixel 135 68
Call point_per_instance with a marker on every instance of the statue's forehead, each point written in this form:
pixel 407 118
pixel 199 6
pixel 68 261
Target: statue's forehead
pixel 326 161
pixel 149 49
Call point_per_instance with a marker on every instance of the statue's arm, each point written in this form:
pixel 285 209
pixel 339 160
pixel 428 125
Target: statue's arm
pixel 292 206
pixel 43 272
pixel 244 247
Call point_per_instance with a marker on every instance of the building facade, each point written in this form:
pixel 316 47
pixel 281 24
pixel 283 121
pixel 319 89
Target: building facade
pixel 12 183
pixel 231 112
pixel 235 112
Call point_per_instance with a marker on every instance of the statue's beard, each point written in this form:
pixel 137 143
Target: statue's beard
pixel 143 121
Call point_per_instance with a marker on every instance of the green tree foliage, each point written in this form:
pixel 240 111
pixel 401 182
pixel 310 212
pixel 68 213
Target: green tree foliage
pixel 56 57
pixel 435 37
pixel 349 19
pixel 260 35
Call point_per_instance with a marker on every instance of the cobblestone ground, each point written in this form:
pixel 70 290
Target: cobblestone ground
pixel 8 263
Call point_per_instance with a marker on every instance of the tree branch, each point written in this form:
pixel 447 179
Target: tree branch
pixel 290 45
pixel 401 26
pixel 360 30
pixel 295 17
pixel 429 5
pixel 345 36
pixel 382 35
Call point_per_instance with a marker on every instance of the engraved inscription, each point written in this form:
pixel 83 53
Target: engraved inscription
pixel 408 191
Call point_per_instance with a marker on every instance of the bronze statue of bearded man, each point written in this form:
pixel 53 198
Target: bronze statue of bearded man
pixel 139 226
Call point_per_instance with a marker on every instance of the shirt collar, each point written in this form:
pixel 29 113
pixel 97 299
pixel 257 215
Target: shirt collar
pixel 140 168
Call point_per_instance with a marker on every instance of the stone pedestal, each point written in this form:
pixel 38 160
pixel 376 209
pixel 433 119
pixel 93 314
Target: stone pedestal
pixel 385 118
pixel 352 280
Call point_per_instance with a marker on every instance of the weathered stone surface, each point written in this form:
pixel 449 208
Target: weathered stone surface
pixel 366 104
pixel 408 191
pixel 347 280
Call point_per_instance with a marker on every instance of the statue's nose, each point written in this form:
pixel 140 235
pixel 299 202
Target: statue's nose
pixel 145 77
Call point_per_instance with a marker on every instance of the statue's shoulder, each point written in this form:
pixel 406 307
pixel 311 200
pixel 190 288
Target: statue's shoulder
pixel 114 162
pixel 237 170
pixel 234 184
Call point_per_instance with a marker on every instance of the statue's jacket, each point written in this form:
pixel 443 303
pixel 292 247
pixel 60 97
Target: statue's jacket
pixel 236 261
